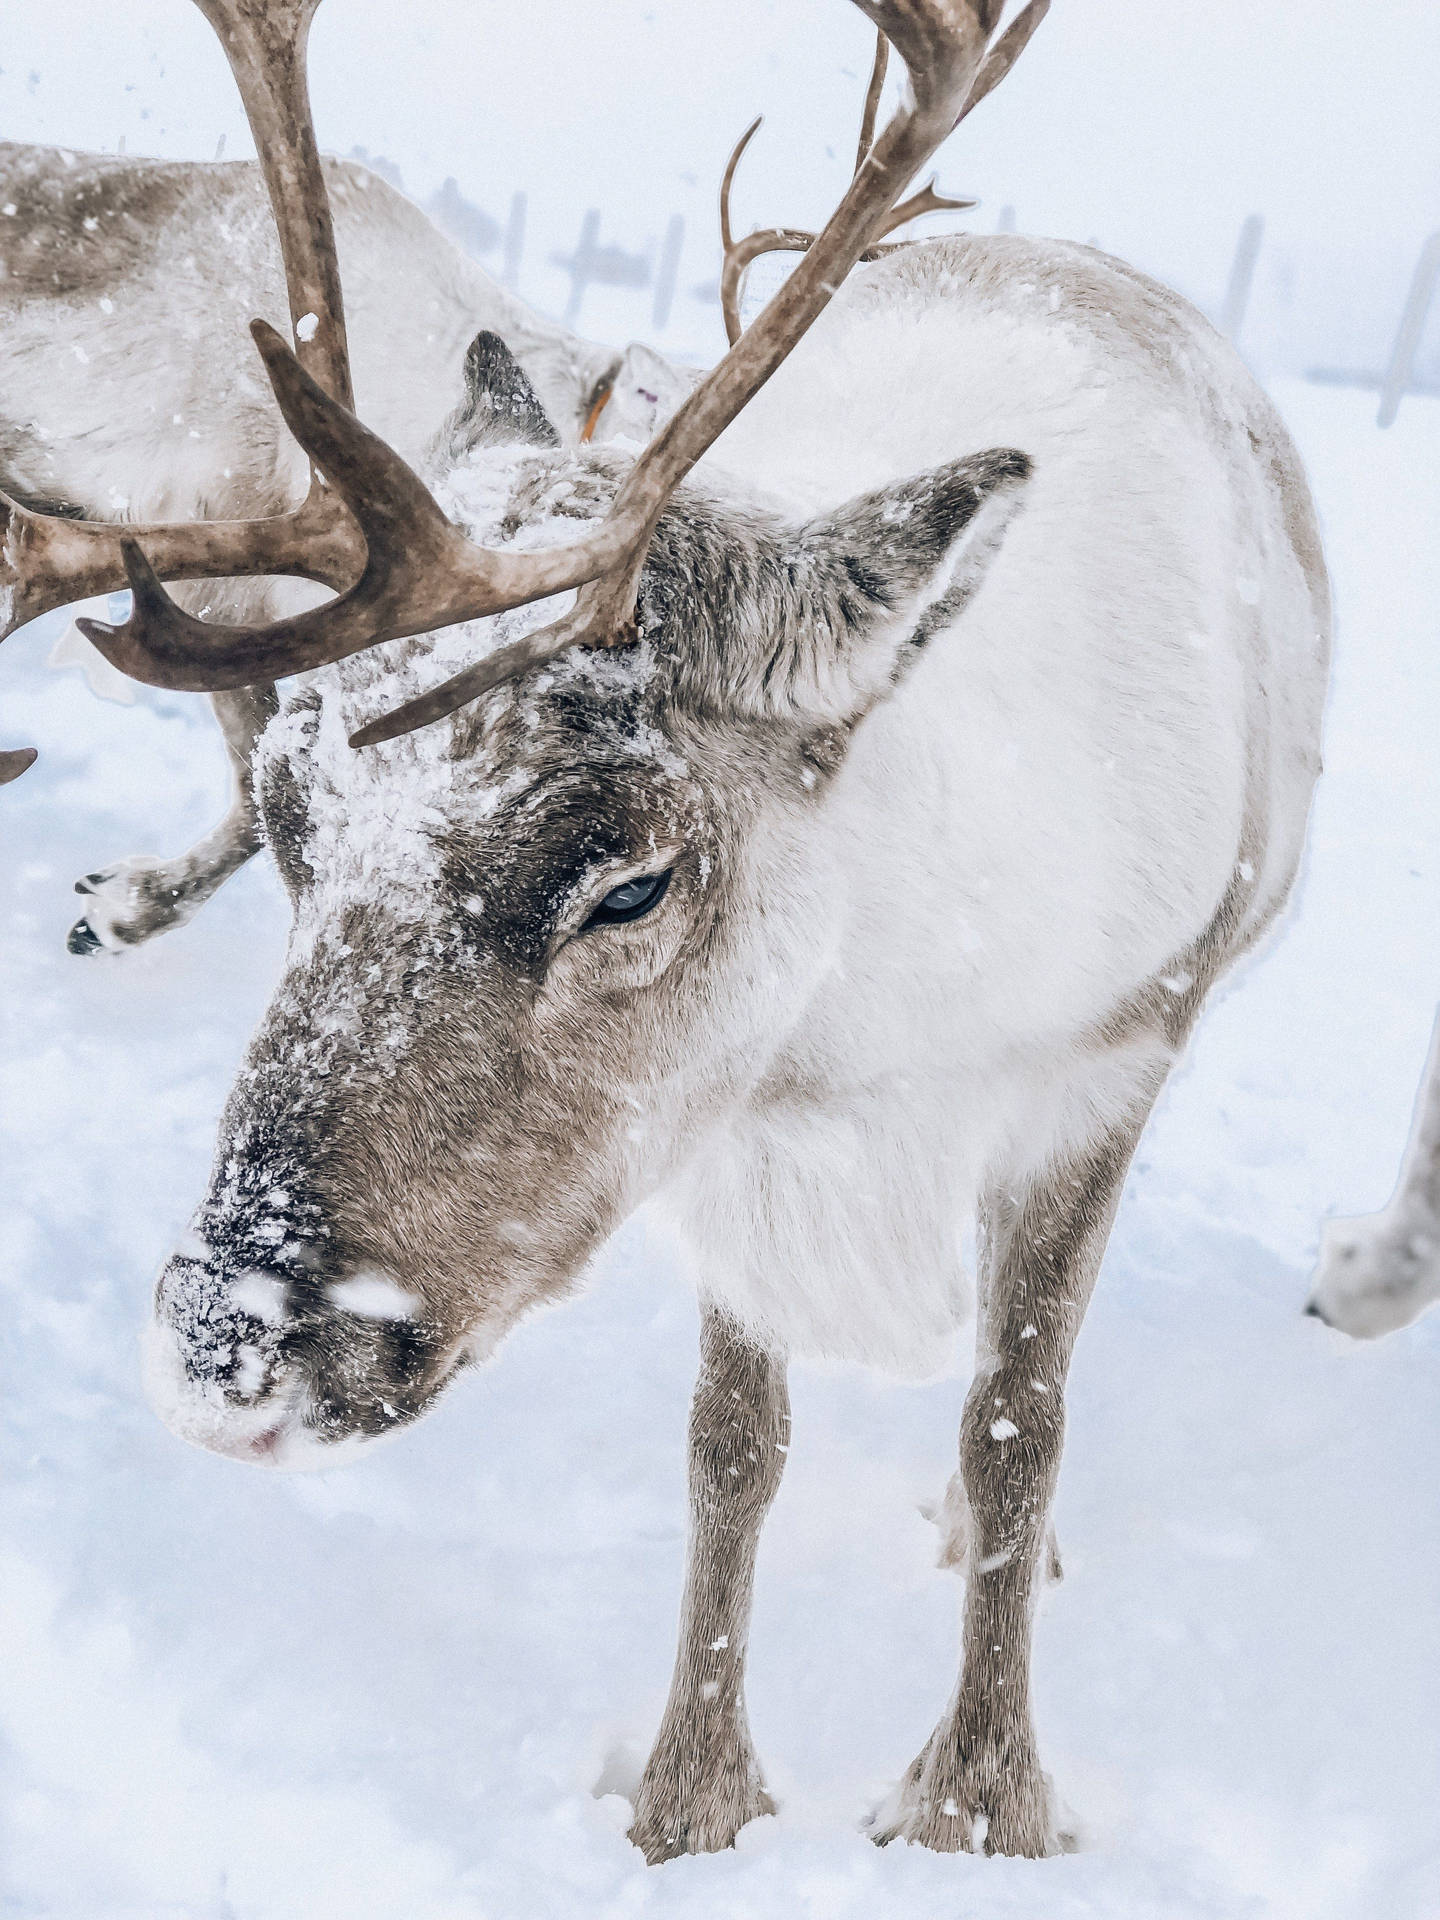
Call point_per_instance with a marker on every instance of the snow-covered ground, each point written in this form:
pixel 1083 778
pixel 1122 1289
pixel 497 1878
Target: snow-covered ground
pixel 417 1689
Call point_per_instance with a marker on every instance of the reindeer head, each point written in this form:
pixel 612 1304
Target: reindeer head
pixel 543 947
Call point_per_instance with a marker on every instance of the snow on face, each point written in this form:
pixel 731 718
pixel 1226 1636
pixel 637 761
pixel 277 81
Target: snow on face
pixel 376 820
pixel 349 1252
pixel 374 1296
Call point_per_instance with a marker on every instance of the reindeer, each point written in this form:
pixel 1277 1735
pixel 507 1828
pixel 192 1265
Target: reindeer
pixel 934 720
pixel 124 287
pixel 1380 1271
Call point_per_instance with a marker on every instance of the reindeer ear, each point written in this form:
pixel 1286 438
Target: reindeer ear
pixel 500 407
pixel 894 568
pixel 644 390
pixel 814 624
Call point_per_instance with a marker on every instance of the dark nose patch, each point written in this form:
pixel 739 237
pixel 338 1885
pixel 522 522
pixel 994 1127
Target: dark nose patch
pixel 366 1376
pixel 224 1343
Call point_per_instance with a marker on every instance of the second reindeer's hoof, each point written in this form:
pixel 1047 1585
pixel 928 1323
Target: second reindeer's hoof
pixel 1376 1274
pixel 82 939
pixel 126 904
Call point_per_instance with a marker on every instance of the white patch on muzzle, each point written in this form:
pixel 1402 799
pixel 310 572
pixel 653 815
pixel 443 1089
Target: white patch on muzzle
pixel 261 1295
pixel 373 1296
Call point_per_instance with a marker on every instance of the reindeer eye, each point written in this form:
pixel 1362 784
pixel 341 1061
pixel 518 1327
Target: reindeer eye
pixel 629 900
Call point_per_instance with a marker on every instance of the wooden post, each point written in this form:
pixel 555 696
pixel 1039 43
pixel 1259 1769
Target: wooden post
pixel 1242 276
pixel 580 262
pixel 667 272
pixel 514 241
pixel 1412 326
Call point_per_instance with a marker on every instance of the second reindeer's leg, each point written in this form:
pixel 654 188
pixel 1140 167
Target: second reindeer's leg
pixel 138 897
pixel 1379 1271
pixel 702 1781
pixel 978 1785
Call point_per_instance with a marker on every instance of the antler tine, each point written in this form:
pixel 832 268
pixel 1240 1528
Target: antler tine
pixel 47 562
pixel 872 99
pixel 742 254
pixel 942 43
pixel 13 762
pixel 738 257
pixel 727 180
pixel 732 268
pixel 420 571
pixel 736 260
pixel 927 200
pixel 265 43
pixel 1005 52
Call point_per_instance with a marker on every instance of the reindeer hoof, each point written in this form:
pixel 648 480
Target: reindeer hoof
pixel 680 1809
pixel 1376 1274
pixel 129 903
pixel 952 1803
pixel 82 939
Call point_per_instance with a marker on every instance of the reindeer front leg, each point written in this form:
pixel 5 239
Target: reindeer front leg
pixel 978 1786
pixel 702 1781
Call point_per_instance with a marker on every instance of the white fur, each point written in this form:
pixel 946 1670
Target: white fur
pixel 148 400
pixel 1049 808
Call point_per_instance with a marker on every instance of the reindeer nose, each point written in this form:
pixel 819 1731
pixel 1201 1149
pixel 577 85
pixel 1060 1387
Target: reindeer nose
pixel 196 1405
pixel 214 1366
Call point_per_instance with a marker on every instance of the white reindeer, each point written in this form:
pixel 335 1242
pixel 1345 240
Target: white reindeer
pixel 850 859
pixel 128 390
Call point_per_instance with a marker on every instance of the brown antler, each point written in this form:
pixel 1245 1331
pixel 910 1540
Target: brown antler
pixel 739 256
pixel 870 111
pixel 47 562
pixel 13 762
pixel 420 571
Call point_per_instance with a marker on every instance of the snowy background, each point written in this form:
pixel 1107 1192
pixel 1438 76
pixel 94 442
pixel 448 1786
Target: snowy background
pixel 417 1690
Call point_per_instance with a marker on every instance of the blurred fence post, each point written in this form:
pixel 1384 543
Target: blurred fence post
pixel 1242 276
pixel 514 240
pixel 1412 326
pixel 667 272
pixel 580 263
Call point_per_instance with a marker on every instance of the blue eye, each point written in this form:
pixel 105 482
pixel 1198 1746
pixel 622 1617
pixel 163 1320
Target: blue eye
pixel 630 900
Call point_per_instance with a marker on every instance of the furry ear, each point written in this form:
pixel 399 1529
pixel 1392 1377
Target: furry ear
pixel 816 623
pixel 500 407
pixel 895 567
